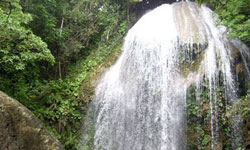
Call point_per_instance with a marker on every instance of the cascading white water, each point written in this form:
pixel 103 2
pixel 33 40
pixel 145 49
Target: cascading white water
pixel 140 102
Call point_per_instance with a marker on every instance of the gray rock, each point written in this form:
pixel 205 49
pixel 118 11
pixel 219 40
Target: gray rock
pixel 21 130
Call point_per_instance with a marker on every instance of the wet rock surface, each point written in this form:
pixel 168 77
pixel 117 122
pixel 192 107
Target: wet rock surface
pixel 21 130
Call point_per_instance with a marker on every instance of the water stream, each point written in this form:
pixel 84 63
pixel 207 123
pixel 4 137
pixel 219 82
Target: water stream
pixel 140 102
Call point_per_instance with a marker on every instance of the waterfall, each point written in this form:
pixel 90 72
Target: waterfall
pixel 140 102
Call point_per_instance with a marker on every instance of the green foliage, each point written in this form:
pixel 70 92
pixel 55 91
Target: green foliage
pixel 23 55
pixel 235 15
pixel 72 28
pixel 199 117
pixel 225 114
pixel 19 47
pixel 76 36
pixel 61 105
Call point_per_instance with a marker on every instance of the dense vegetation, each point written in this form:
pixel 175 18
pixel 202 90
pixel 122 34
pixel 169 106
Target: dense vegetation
pixel 47 50
pixel 51 49
pixel 199 128
pixel 235 15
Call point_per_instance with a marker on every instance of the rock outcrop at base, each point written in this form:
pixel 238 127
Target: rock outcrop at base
pixel 21 130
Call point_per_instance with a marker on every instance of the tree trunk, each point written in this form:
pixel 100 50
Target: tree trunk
pixel 59 69
pixel 128 19
pixel 61 28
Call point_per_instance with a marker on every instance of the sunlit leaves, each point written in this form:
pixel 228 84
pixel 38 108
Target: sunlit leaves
pixel 19 47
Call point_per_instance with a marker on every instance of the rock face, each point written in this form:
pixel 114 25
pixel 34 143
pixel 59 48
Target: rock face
pixel 21 130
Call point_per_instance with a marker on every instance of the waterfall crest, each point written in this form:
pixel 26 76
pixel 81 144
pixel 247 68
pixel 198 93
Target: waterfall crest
pixel 140 101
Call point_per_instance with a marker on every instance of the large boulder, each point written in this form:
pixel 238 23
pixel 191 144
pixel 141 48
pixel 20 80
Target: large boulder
pixel 21 130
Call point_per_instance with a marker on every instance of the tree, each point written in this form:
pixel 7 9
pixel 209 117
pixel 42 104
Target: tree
pixel 75 36
pixel 20 49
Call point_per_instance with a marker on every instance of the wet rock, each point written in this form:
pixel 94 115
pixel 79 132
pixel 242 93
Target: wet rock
pixel 192 35
pixel 190 28
pixel 21 130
